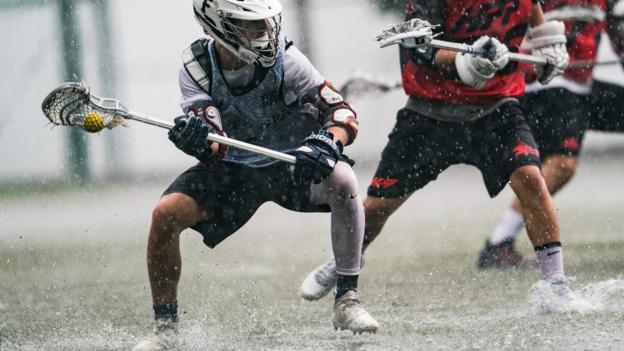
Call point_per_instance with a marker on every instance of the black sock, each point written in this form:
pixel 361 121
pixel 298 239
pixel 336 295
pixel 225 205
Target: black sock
pixel 167 312
pixel 345 283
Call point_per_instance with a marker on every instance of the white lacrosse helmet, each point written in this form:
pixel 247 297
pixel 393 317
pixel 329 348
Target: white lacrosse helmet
pixel 248 28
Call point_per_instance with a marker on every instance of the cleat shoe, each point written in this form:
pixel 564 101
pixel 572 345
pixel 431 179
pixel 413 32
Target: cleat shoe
pixel 320 281
pixel 502 255
pixel 164 337
pixel 560 286
pixel 349 314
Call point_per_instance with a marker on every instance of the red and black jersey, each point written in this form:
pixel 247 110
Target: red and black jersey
pixel 584 21
pixel 466 21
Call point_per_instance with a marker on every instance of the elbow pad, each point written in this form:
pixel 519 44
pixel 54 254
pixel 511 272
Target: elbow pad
pixel 333 109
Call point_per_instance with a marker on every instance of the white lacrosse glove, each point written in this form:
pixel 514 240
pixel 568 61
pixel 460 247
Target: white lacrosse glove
pixel 476 70
pixel 548 40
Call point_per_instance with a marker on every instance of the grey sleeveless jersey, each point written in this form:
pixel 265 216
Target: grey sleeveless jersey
pixel 260 115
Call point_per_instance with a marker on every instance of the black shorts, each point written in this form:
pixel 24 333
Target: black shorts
pixel 558 119
pixel 234 192
pixel 420 148
pixel 607 99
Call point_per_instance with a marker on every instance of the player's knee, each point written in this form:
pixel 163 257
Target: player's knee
pixel 565 168
pixel 163 215
pixel 166 216
pixel 528 178
pixel 344 182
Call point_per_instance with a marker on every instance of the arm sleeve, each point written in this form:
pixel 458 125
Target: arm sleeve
pixel 192 94
pixel 299 75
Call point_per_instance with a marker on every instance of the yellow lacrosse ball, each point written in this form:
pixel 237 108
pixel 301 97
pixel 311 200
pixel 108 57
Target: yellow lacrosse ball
pixel 93 122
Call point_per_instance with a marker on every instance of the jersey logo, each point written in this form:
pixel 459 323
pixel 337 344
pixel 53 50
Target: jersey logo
pixel 524 149
pixel 383 183
pixel 482 16
pixel 571 144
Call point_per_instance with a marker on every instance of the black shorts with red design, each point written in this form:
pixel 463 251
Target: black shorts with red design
pixel 420 148
pixel 232 193
pixel 558 119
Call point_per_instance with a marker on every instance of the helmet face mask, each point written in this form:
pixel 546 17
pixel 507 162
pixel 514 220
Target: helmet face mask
pixel 250 29
pixel 258 36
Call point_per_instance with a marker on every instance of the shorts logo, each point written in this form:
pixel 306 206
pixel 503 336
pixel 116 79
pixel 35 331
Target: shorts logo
pixel 523 149
pixel 383 183
pixel 571 144
pixel 482 16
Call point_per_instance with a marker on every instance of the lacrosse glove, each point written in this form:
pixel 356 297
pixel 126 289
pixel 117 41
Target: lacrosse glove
pixel 476 70
pixel 548 40
pixel 316 157
pixel 190 133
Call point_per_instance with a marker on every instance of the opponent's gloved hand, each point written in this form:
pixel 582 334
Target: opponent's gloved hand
pixel 190 133
pixel 317 157
pixel 476 70
pixel 548 40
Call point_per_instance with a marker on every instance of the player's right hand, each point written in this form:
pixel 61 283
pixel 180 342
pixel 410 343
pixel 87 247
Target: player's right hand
pixel 189 134
pixel 476 70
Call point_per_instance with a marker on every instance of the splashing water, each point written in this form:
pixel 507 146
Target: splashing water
pixel 605 295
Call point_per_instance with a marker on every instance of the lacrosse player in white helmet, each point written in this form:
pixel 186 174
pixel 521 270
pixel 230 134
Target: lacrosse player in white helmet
pixel 251 83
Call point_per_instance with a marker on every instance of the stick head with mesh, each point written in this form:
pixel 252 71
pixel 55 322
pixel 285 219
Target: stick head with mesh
pixel 413 33
pixel 70 103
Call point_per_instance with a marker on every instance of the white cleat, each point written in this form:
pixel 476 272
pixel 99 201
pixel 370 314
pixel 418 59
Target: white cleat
pixel 164 337
pixel 560 286
pixel 320 281
pixel 349 314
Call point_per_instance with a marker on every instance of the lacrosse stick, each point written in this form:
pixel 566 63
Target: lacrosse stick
pixel 418 33
pixel 361 83
pixel 71 104
pixel 590 63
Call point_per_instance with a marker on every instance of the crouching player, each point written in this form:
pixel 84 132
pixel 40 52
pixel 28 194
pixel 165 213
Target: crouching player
pixel 464 109
pixel 561 112
pixel 250 82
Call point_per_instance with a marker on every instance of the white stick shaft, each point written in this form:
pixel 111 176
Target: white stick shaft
pixel 219 139
pixel 460 47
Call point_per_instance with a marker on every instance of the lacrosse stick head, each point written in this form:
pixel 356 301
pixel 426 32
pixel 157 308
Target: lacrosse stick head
pixel 414 33
pixel 71 104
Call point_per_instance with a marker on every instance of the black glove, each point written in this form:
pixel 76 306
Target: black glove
pixel 316 157
pixel 190 133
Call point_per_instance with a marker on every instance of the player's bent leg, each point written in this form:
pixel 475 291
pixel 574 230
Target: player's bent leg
pixel 558 170
pixel 499 250
pixel 173 213
pixel 340 192
pixel 377 211
pixel 320 281
pixel 537 205
pixel 541 224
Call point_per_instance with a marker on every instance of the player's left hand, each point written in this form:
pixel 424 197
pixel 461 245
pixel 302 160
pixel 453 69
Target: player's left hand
pixel 548 40
pixel 316 157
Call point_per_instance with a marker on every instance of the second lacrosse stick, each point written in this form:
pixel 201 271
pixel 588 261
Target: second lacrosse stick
pixel 418 33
